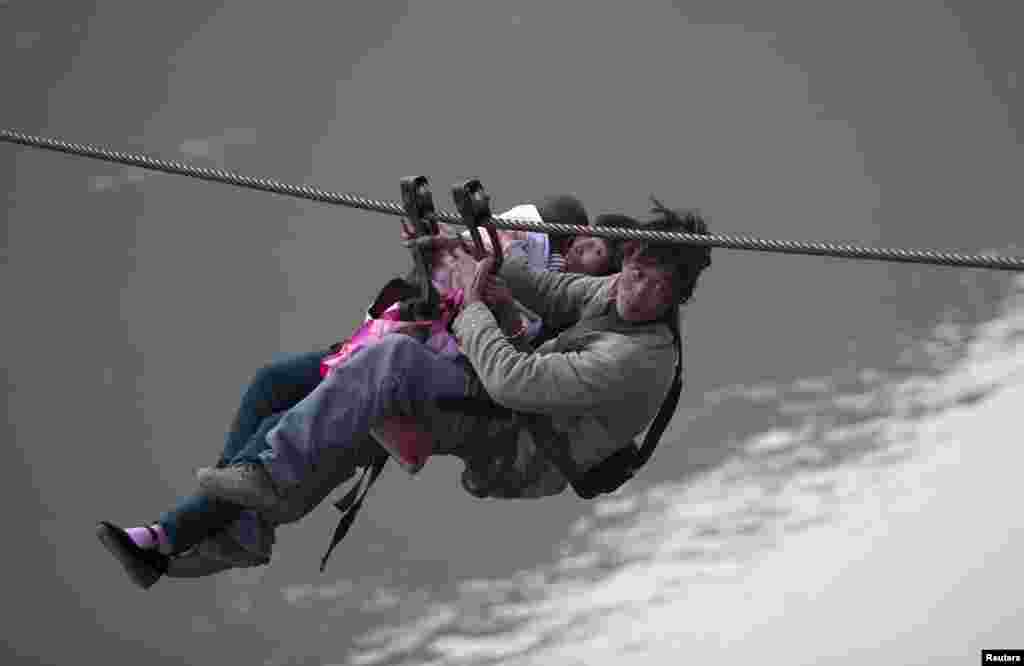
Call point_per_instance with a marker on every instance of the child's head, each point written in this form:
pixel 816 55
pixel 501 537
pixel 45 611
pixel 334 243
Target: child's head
pixel 594 255
pixel 562 209
pixel 589 255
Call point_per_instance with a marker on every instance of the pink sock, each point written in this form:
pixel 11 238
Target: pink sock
pixel 152 536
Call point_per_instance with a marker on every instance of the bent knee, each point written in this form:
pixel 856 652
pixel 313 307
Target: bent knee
pixel 269 374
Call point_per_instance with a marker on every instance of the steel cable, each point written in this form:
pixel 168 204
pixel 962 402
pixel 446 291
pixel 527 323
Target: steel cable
pixel 935 257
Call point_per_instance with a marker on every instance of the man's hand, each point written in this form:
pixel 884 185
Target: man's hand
pixel 477 282
pixel 437 242
pixel 495 291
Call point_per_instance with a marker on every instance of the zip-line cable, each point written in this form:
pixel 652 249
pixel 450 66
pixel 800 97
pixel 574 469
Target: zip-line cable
pixel 941 258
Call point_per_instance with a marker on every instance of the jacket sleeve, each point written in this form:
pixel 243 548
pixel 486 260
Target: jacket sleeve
pixel 609 368
pixel 558 298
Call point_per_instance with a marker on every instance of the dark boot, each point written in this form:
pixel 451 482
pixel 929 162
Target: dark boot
pixel 247 485
pixel 144 566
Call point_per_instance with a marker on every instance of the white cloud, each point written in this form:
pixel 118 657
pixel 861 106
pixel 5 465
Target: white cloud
pixel 297 595
pixel 404 638
pixel 383 599
pixel 615 507
pixel 773 440
pixel 214 149
pixel 109 183
pixel 819 385
pixel 759 393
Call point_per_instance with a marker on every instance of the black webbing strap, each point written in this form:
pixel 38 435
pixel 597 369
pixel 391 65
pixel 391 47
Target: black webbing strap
pixel 668 406
pixel 353 501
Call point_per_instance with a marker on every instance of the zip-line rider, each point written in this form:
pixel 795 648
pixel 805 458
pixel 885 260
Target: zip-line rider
pixel 573 407
pixel 280 385
pixel 626 358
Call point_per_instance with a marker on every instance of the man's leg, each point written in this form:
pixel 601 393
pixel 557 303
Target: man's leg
pixel 385 379
pixel 197 516
pixel 276 387
pixel 143 551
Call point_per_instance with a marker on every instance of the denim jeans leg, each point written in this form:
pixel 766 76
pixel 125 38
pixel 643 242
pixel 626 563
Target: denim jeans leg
pixel 381 380
pixel 276 387
pixel 197 516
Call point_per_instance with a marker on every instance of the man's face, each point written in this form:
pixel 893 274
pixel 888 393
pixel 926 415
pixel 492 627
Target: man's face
pixel 588 255
pixel 644 291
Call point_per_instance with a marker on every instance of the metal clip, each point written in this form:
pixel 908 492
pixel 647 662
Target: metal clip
pixel 418 204
pixel 474 205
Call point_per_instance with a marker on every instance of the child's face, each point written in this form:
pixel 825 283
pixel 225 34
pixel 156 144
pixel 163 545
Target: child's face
pixel 589 255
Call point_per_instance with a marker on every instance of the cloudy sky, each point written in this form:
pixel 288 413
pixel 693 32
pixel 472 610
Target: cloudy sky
pixel 839 483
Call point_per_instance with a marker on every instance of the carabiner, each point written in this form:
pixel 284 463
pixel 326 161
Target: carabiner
pixel 474 205
pixel 418 204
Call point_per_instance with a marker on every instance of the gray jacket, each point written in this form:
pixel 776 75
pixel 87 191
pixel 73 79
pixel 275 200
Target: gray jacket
pixel 600 388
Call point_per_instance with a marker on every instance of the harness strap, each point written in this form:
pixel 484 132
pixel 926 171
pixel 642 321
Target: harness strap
pixel 668 407
pixel 353 501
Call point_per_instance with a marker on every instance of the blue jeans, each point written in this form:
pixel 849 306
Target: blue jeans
pixel 390 378
pixel 274 389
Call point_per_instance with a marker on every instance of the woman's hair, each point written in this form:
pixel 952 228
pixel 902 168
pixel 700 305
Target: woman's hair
pixel 689 261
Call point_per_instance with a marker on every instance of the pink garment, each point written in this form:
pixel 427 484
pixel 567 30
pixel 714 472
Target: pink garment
pixel 372 330
pixel 403 437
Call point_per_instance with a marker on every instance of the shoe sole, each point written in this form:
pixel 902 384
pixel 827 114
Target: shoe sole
pixel 142 574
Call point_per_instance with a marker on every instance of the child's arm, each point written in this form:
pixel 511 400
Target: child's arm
pixel 557 298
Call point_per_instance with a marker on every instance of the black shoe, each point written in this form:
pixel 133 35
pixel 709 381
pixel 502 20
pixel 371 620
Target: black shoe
pixel 143 565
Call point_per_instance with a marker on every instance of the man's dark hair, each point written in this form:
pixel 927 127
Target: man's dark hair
pixel 689 261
